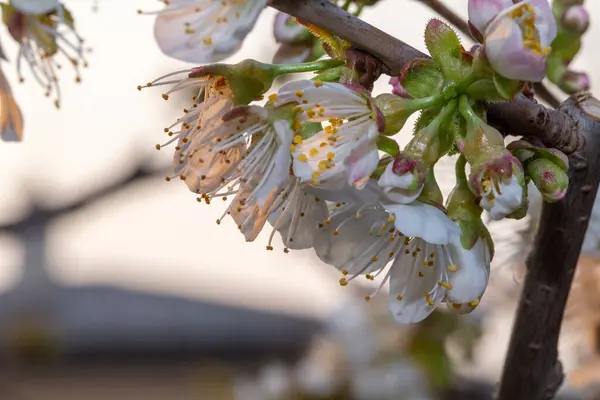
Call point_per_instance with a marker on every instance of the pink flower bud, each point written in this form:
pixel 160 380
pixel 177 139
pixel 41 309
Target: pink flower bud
pixel 576 81
pixel 398 89
pixel 577 19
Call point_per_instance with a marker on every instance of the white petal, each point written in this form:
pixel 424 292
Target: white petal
pixel 508 200
pixel 353 247
pixel 35 6
pixel 299 222
pixel 361 163
pixel 408 302
pixel 470 279
pixel 423 221
pixel 282 161
pixel 370 194
pixel 211 34
pixel 325 99
pixel 481 12
pixel 248 215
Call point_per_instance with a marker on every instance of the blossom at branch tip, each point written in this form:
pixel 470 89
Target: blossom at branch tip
pixel 403 179
pixel 517 37
pixel 345 150
pixel 41 38
pixel 203 31
pixel 11 119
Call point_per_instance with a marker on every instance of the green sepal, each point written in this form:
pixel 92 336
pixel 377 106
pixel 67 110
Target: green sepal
pixel 507 88
pixel 445 48
pixel 388 145
pixel 330 75
pixel 484 90
pixel 381 167
pixel 431 189
pixel 422 78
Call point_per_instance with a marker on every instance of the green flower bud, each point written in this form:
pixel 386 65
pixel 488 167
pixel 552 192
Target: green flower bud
pixel 551 180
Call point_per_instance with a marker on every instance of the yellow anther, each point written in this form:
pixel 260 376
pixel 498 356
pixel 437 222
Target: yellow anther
pixel 302 157
pixel 367 298
pixel 299 93
pixel 428 299
pixel 318 83
pixel 313 152
pixel 297 139
pixel 330 156
pixel 343 282
pixel 453 268
pixel 207 41
pixel 445 285
pixel 273 97
pixel 421 274
pixel 474 303
pixel 456 306
pixel 399 297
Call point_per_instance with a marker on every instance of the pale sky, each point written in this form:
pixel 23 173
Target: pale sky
pixel 154 236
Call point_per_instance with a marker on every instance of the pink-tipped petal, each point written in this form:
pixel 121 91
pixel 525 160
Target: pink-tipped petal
pixel 507 54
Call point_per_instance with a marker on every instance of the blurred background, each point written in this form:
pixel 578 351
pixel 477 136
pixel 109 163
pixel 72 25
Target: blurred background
pixel 115 284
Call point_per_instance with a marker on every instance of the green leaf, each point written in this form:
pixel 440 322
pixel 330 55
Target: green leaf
pixel 507 88
pixel 422 78
pixel 445 48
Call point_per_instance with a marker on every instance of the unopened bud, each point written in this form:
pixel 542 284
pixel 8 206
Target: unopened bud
pixel 398 89
pixel 576 19
pixel 551 180
pixel 403 179
pixel 573 81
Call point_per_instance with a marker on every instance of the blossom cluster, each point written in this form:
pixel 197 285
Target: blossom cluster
pixel 318 162
pixel 45 32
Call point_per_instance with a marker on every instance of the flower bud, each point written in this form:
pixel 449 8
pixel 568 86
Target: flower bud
pixel 249 79
pixel 500 182
pixel 398 89
pixel 395 110
pixel 403 179
pixel 573 81
pixel 576 19
pixel 551 180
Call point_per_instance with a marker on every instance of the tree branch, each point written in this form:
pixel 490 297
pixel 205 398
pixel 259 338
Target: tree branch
pixel 38 212
pixel 440 8
pixel 532 370
pixel 394 54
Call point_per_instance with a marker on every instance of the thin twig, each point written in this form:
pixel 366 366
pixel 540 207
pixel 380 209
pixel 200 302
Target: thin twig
pixel 440 8
pixel 38 212
pixel 446 12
